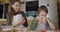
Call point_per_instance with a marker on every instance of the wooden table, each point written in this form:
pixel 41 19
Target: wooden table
pixel 31 31
pixel 0 30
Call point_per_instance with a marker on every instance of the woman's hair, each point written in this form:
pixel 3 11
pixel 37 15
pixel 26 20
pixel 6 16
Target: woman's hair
pixel 13 1
pixel 42 8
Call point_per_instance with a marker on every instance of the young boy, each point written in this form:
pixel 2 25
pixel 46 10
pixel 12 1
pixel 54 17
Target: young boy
pixel 42 22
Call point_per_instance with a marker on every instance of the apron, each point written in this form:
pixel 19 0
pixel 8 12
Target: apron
pixel 17 18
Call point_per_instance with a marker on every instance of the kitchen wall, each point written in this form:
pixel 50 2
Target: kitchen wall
pixel 52 10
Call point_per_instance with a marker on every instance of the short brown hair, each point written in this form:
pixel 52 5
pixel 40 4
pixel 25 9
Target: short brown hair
pixel 44 8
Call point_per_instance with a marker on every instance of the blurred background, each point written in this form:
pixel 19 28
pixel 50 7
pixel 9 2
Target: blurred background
pixel 30 7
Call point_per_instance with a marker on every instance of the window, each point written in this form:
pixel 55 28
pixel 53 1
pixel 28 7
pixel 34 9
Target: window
pixel 32 8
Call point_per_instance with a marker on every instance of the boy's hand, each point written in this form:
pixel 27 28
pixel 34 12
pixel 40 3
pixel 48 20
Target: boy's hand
pixel 44 19
pixel 39 19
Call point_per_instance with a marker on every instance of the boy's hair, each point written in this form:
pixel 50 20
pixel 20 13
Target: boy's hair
pixel 42 8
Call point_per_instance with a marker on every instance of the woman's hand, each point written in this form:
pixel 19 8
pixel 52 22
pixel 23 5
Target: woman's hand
pixel 23 20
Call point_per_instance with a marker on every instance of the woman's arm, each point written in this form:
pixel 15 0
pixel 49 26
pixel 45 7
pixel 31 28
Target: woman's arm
pixel 52 26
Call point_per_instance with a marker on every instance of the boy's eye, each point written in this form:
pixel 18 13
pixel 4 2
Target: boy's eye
pixel 43 15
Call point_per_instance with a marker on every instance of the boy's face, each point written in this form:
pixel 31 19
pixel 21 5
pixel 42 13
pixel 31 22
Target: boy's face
pixel 43 14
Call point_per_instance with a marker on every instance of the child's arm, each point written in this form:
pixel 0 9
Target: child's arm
pixel 52 26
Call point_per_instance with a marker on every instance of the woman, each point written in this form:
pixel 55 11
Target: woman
pixel 42 22
pixel 17 17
